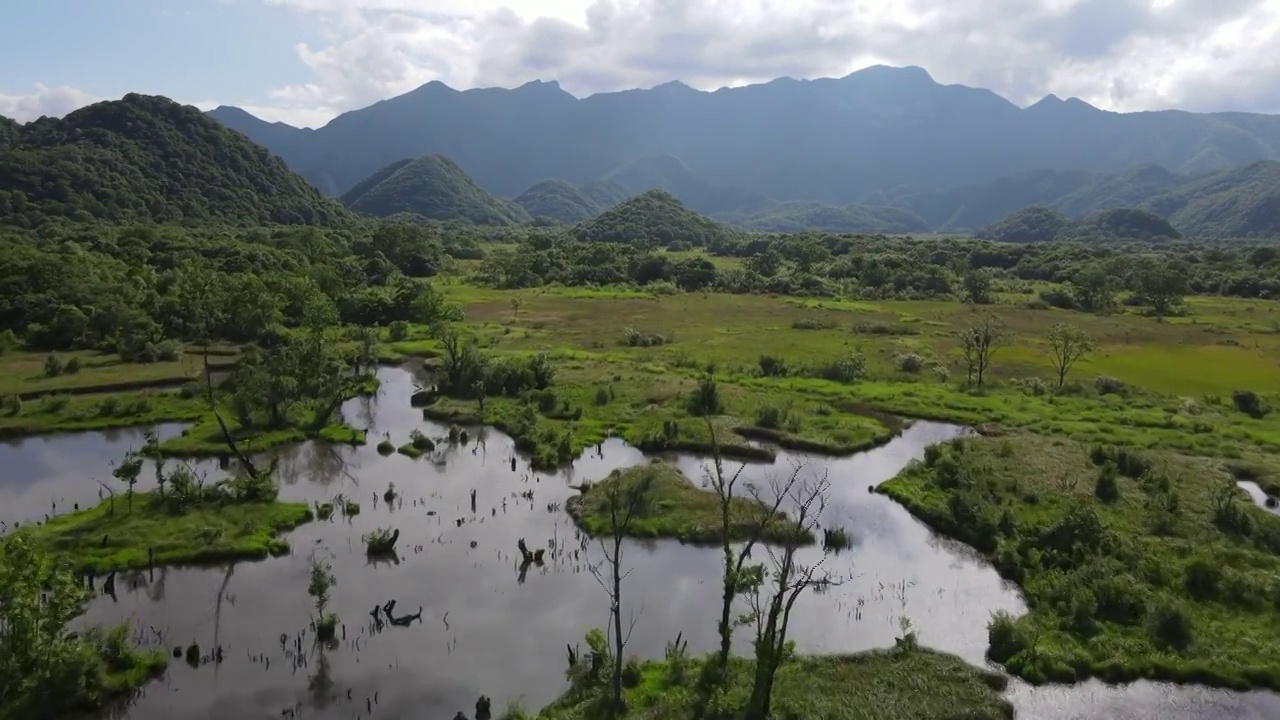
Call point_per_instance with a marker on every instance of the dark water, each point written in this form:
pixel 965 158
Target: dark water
pixel 483 630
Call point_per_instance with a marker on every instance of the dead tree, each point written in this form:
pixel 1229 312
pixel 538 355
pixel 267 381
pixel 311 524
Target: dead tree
pixel 784 581
pixel 625 499
pixel 734 579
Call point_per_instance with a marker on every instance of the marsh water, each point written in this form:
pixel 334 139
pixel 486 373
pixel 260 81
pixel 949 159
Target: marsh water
pixel 486 627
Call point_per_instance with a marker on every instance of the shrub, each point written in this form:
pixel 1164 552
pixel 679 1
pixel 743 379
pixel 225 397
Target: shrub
pixel 771 366
pixel 8 341
pixel 1106 385
pixel 72 367
pixel 848 368
pixel 910 362
pixel 1107 488
pixel 398 330
pixel 1203 580
pixel 705 399
pixel 812 324
pixel 108 407
pixel 55 403
pixel 12 403
pixel 602 396
pixel 1248 402
pixel 769 416
pixel 547 401
pixel 53 365
pixel 168 351
pixel 1171 627
pixel 1004 638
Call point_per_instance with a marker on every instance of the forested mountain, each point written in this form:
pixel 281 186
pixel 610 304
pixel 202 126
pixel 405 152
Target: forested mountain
pixel 1244 202
pixel 433 187
pixel 830 140
pixel 145 158
pixel 558 200
pixel 655 217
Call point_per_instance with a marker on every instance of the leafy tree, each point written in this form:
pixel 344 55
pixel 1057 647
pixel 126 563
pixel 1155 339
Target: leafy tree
pixel 979 343
pixel 1163 284
pixel 977 287
pixel 1067 345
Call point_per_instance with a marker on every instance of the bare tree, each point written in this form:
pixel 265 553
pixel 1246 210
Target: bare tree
pixel 787 579
pixel 516 302
pixel 1067 344
pixel 979 344
pixel 625 500
pixel 737 577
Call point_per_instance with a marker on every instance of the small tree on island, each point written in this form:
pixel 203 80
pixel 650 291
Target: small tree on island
pixel 320 589
pixel 127 472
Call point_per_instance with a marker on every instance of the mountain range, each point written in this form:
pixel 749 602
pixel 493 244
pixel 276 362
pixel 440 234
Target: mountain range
pixel 884 149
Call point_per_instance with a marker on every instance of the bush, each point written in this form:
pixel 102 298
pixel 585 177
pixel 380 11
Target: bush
pixel 812 324
pixel 602 396
pixel 705 399
pixel 1106 385
pixel 910 362
pixel 1004 638
pixel 1203 580
pixel 771 366
pixel 547 401
pixel 398 330
pixel 848 368
pixel 1248 402
pixel 1171 627
pixel 72 367
pixel 1107 488
pixel 53 365
pixel 12 404
pixel 774 418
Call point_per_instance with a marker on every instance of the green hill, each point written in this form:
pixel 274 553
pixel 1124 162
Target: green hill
pixel 147 158
pixel 800 216
pixel 1033 224
pixel 1243 202
pixel 558 200
pixel 1120 224
pixel 1041 224
pixel 655 217
pixel 433 187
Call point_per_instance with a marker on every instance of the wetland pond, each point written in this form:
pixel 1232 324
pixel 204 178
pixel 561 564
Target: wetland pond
pixel 488 629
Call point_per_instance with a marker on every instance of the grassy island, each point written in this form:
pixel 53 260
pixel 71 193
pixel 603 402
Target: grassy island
pixel 673 507
pixel 1136 564
pixel 115 536
pixel 915 684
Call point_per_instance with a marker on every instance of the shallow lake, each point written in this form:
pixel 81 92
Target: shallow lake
pixel 488 629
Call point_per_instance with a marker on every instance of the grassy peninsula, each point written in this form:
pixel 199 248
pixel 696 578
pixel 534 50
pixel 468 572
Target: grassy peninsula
pixel 1136 564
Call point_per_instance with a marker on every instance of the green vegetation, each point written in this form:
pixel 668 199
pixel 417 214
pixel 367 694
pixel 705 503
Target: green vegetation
pixel 147 159
pixel 673 507
pixel 656 217
pixel 811 215
pixel 1040 224
pixel 1135 564
pixel 904 684
pixel 558 200
pixel 433 187
pixel 46 670
pixel 110 536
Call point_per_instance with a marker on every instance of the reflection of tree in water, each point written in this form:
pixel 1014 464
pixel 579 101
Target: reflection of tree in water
pixel 320 683
pixel 318 462
pixel 156 592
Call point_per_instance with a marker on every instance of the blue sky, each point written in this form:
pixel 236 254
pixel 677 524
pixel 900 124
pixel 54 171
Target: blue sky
pixel 235 51
pixel 305 61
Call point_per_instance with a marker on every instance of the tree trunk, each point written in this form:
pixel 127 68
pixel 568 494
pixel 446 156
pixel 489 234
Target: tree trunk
pixel 617 623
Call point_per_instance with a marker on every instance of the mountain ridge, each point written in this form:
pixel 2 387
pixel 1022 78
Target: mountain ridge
pixel 834 140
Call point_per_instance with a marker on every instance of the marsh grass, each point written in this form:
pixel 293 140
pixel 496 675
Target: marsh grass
pixel 875 685
pixel 1173 573
pixel 673 507
pixel 100 539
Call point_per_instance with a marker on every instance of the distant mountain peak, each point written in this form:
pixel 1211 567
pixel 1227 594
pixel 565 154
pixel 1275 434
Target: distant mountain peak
pixel 892 73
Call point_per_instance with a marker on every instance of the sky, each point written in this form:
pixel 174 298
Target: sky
pixel 305 61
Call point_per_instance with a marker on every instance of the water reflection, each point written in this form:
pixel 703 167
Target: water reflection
pixel 491 624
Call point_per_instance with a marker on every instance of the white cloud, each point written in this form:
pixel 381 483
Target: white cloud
pixel 51 101
pixel 1117 54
